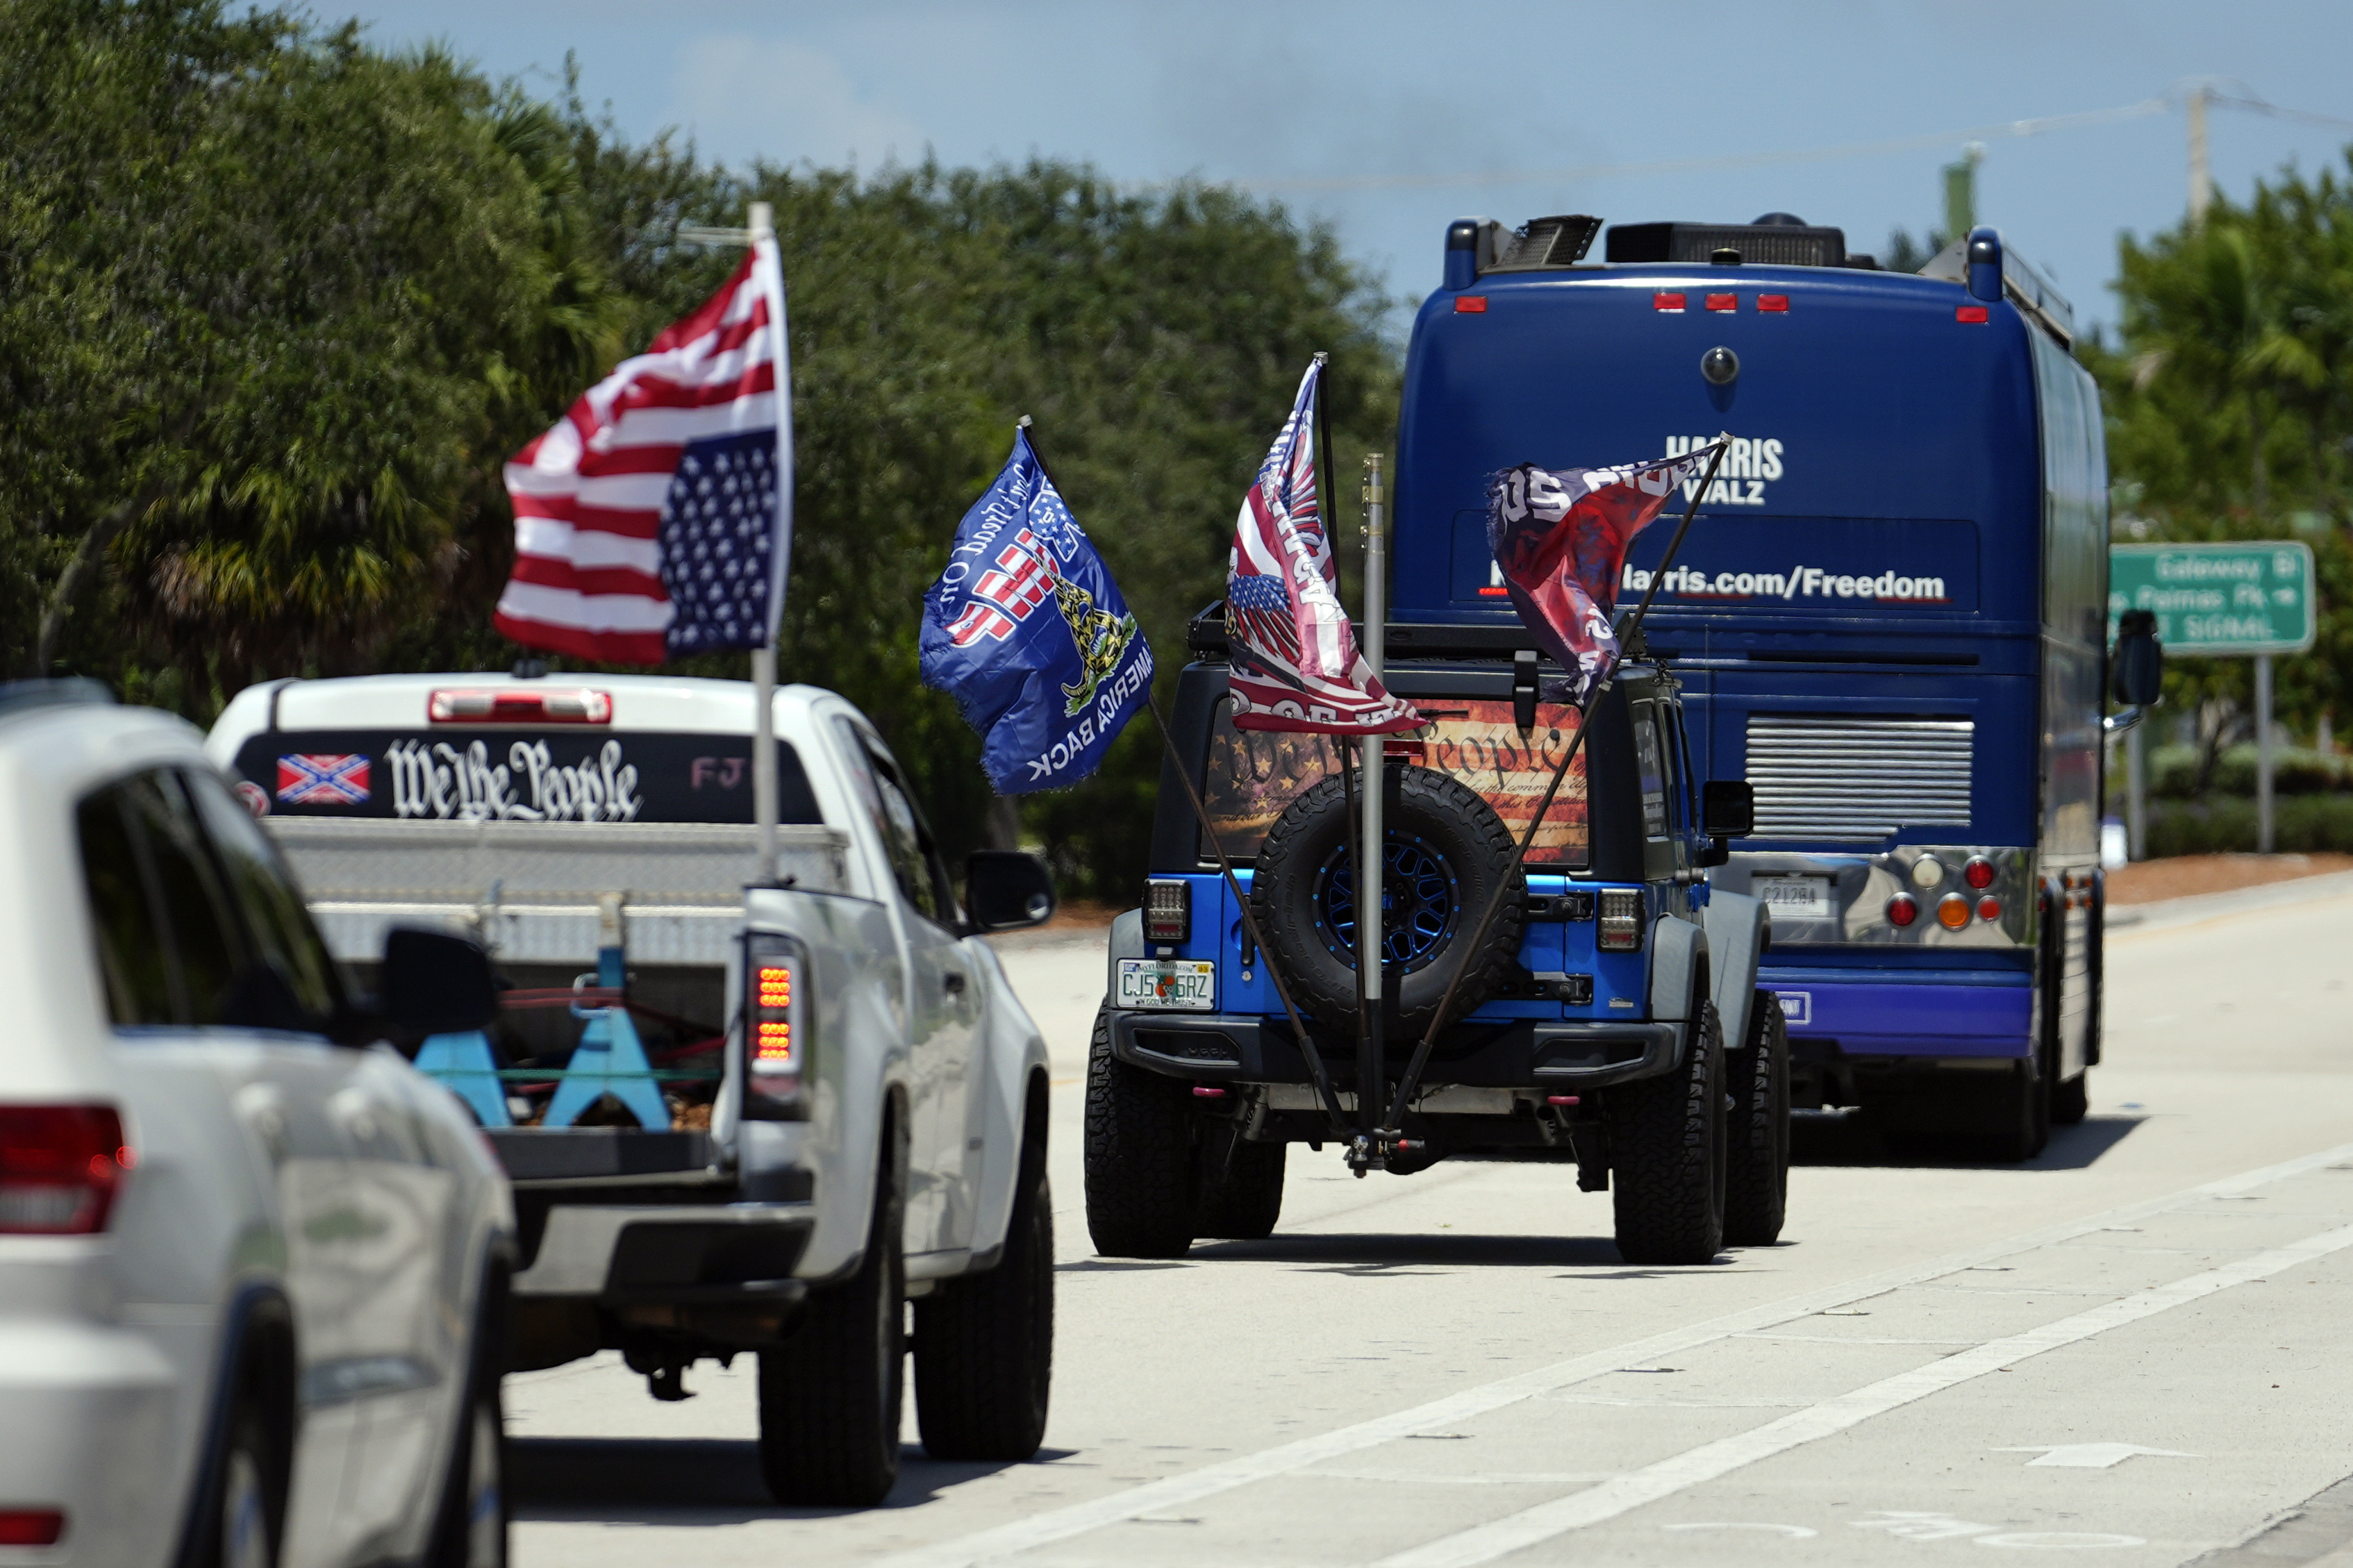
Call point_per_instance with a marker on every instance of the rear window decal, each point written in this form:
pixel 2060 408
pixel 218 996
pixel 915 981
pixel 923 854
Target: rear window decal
pixel 311 779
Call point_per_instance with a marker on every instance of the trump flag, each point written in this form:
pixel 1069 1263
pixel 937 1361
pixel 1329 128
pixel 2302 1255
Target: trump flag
pixel 1025 629
pixel 1293 654
pixel 654 520
pixel 1560 541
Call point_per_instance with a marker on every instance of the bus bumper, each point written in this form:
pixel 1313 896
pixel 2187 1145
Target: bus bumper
pixel 1967 1016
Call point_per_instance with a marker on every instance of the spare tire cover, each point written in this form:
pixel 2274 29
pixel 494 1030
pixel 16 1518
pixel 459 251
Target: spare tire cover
pixel 1446 852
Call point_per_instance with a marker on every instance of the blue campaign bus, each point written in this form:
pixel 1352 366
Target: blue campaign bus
pixel 1888 615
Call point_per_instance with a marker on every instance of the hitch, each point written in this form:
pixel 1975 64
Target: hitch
pixel 1387 1148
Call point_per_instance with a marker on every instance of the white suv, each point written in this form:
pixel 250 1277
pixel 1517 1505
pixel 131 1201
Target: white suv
pixel 251 1263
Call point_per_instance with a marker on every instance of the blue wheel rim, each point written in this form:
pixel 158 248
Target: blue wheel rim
pixel 1421 902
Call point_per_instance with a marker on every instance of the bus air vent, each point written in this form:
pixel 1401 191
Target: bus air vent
pixel 1759 244
pixel 1546 243
pixel 1841 778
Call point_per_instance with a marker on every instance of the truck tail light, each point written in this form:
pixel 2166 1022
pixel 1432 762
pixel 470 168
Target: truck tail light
pixel 1168 911
pixel 1903 910
pixel 775 1027
pixel 1953 911
pixel 510 705
pixel 1979 873
pixel 60 1167
pixel 1622 920
pixel 32 1526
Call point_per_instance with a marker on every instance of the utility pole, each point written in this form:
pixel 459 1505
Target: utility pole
pixel 2201 187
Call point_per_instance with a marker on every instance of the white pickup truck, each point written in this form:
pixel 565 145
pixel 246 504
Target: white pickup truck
pixel 744 1107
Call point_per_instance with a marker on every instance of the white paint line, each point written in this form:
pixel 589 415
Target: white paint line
pixel 2091 1456
pixel 1709 1462
pixel 1045 1528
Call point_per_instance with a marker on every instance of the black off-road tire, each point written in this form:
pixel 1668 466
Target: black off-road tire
pixel 470 1530
pixel 831 1396
pixel 1139 1156
pixel 1239 1185
pixel 1667 1136
pixel 985 1343
pixel 1451 824
pixel 1756 1137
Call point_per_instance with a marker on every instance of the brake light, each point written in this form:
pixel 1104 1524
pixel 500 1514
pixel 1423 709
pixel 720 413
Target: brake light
pixel 1622 920
pixel 1978 872
pixel 515 705
pixel 1168 911
pixel 1470 304
pixel 1989 909
pixel 1903 910
pixel 1778 303
pixel 1723 301
pixel 1977 313
pixel 32 1526
pixel 60 1167
pixel 1665 300
pixel 1952 911
pixel 775 1027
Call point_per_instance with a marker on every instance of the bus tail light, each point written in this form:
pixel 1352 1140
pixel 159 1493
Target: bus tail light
pixel 775 1040
pixel 60 1168
pixel 1168 911
pixel 1773 302
pixel 1989 909
pixel 1979 873
pixel 1667 299
pixel 1903 910
pixel 1978 314
pixel 1952 911
pixel 1622 920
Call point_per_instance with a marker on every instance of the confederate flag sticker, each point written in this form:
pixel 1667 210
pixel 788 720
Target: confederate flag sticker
pixel 323 781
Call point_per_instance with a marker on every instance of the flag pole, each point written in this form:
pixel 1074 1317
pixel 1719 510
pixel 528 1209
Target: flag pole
pixel 762 223
pixel 1412 1077
pixel 1372 860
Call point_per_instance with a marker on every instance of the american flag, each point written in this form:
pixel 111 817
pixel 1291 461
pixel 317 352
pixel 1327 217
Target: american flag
pixel 1294 659
pixel 1016 584
pixel 654 520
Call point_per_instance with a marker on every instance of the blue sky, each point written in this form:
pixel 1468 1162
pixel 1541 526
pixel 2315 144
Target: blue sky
pixel 1387 119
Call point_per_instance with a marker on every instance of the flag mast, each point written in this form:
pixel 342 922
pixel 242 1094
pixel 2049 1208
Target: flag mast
pixel 1372 861
pixel 762 224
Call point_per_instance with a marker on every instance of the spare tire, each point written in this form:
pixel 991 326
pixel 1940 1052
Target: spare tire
pixel 1446 853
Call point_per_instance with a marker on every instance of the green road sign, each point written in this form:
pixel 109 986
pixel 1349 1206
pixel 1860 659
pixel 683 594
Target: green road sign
pixel 2217 599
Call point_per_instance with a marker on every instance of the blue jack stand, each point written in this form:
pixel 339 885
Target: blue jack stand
pixel 463 1065
pixel 611 1059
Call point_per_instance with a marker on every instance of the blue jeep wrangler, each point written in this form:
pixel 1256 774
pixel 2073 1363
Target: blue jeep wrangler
pixel 1609 1017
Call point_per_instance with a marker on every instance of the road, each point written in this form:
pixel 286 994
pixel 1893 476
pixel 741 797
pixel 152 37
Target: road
pixel 2130 1351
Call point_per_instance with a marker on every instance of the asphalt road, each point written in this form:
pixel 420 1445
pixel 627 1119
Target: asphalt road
pixel 2132 1351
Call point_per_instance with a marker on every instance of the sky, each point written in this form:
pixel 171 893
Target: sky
pixel 1385 120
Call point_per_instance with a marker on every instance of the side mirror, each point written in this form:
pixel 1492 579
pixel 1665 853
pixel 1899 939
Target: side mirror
pixel 1005 890
pixel 1727 808
pixel 436 983
pixel 2136 668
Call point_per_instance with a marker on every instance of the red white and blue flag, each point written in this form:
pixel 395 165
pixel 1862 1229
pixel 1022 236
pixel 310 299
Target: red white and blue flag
pixel 310 779
pixel 1560 539
pixel 1294 661
pixel 654 520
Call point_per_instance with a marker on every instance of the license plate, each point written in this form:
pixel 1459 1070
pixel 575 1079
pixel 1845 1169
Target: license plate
pixel 1188 983
pixel 1801 897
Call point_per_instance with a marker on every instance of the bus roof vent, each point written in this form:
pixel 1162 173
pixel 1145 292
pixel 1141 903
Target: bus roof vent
pixel 1775 243
pixel 1544 243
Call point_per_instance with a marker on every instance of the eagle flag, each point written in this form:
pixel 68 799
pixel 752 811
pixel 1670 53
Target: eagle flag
pixel 1560 539
pixel 1025 629
pixel 654 520
pixel 1294 662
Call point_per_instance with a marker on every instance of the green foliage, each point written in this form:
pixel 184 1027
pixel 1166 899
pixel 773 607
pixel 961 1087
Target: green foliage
pixel 2301 825
pixel 285 302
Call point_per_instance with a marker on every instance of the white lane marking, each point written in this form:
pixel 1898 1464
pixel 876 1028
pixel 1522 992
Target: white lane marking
pixel 1679 1472
pixel 2091 1456
pixel 1045 1528
pixel 1912 1525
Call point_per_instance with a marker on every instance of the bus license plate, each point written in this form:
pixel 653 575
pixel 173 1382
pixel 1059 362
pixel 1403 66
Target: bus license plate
pixel 1801 897
pixel 1188 983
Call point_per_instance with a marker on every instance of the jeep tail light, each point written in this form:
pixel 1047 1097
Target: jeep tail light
pixel 511 705
pixel 1168 911
pixel 1979 873
pixel 1903 910
pixel 60 1167
pixel 775 1027
pixel 1953 911
pixel 1622 920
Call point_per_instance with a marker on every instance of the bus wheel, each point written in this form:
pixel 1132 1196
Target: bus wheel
pixel 2020 1123
pixel 1756 1140
pixel 1667 1136
pixel 2071 1101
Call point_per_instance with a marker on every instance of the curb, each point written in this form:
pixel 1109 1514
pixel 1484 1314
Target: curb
pixel 2196 907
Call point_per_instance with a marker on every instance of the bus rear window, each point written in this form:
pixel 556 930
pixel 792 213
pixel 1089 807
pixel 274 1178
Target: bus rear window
pixel 1253 777
pixel 510 775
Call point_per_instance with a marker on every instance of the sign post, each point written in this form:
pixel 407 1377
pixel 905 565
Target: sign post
pixel 2219 601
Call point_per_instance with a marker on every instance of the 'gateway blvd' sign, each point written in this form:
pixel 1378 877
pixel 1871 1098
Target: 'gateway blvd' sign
pixel 2217 599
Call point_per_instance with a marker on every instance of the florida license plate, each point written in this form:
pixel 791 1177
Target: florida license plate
pixel 1799 898
pixel 1188 983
